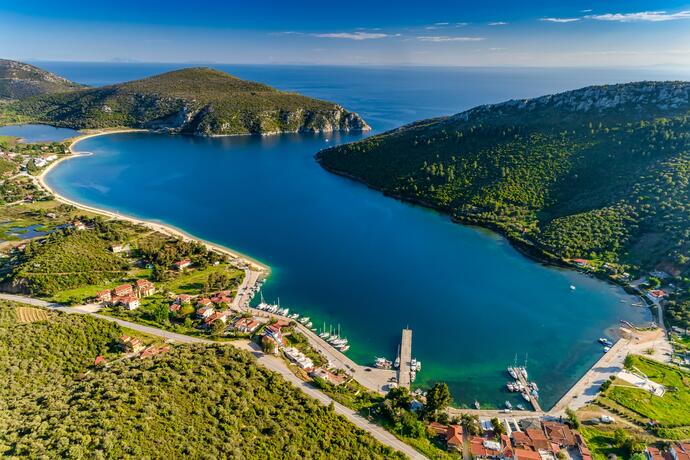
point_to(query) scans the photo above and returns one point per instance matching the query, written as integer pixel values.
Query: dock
(405, 368)
(534, 401)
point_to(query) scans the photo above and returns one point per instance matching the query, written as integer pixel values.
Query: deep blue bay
(344, 254)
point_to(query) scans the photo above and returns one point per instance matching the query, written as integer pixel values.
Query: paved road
(270, 362)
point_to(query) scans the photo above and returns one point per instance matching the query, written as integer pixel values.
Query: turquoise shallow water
(344, 254)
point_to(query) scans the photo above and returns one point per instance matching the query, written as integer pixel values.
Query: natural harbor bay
(477, 305)
(473, 301)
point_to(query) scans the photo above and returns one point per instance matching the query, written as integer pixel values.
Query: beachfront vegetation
(195, 100)
(669, 413)
(203, 401)
(600, 173)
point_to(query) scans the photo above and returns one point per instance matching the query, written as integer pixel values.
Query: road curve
(270, 362)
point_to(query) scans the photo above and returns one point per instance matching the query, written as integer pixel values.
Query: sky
(631, 33)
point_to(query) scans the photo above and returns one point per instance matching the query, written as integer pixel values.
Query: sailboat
(324, 335)
(523, 369)
(262, 305)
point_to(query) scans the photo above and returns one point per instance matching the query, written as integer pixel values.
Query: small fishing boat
(525, 396)
(572, 287)
(508, 405)
(383, 363)
(520, 407)
(477, 405)
(344, 348)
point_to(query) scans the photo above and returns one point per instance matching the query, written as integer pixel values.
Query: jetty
(532, 399)
(404, 378)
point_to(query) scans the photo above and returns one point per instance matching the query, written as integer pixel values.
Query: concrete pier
(405, 358)
(532, 399)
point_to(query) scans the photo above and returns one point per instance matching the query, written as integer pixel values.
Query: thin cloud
(586, 11)
(642, 16)
(355, 35)
(498, 23)
(446, 38)
(560, 20)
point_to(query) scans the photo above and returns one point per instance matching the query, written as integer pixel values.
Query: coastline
(163, 228)
(255, 265)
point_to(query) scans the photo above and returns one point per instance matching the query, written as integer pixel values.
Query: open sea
(344, 254)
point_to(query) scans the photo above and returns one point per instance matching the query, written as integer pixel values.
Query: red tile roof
(478, 449)
(538, 438)
(454, 435)
(521, 439)
(560, 433)
(524, 454)
(654, 454)
(438, 428)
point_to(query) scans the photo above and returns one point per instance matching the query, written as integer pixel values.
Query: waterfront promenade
(377, 380)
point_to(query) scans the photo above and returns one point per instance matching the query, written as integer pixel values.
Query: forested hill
(599, 172)
(199, 101)
(19, 80)
(193, 401)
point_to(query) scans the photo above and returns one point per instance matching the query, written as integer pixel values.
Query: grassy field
(601, 443)
(671, 410)
(27, 315)
(192, 282)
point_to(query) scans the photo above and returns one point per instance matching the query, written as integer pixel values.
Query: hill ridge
(197, 100)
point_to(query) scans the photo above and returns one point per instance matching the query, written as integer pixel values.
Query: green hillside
(600, 173)
(19, 80)
(198, 101)
(191, 402)
(64, 260)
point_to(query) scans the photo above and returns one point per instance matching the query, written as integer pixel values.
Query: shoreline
(521, 246)
(164, 228)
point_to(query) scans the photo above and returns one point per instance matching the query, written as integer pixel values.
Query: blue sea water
(344, 254)
(38, 133)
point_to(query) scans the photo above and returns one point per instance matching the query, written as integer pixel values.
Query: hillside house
(246, 325)
(131, 302)
(123, 290)
(454, 438)
(205, 311)
(145, 288)
(182, 264)
(118, 248)
(104, 296)
(328, 376)
(183, 299)
(130, 344)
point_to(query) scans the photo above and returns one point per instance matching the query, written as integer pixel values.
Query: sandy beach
(162, 228)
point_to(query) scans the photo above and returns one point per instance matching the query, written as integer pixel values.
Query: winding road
(270, 362)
